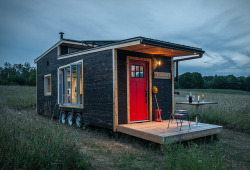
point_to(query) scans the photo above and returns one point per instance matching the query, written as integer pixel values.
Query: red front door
(138, 90)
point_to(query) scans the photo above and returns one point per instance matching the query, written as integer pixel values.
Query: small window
(137, 71)
(62, 50)
(47, 85)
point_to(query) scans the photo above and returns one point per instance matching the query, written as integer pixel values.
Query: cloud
(221, 28)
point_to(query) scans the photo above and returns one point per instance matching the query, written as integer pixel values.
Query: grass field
(31, 141)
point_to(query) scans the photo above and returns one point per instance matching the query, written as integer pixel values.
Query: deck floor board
(160, 133)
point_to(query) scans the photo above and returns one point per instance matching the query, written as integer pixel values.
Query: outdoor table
(196, 104)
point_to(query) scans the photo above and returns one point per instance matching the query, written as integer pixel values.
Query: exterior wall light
(159, 63)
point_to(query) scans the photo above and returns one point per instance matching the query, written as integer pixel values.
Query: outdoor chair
(179, 115)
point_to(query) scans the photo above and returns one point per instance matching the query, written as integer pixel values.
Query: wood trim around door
(149, 86)
(115, 91)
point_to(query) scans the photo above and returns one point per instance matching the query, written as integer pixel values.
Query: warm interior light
(159, 62)
(195, 53)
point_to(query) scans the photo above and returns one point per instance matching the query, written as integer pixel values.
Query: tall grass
(28, 141)
(18, 97)
(174, 156)
(232, 110)
(178, 156)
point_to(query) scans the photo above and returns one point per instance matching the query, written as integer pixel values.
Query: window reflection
(71, 84)
(137, 71)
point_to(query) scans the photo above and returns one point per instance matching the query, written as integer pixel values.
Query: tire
(78, 120)
(63, 116)
(70, 118)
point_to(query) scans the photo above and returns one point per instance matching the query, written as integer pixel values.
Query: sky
(220, 27)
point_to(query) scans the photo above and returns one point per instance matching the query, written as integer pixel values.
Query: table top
(196, 103)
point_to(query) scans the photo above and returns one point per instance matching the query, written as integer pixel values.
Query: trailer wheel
(70, 118)
(63, 116)
(79, 120)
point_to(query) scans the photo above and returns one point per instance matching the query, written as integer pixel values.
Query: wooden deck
(159, 133)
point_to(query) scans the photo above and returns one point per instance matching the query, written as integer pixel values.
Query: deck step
(159, 132)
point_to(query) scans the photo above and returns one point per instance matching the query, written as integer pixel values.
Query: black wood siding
(98, 87)
(164, 95)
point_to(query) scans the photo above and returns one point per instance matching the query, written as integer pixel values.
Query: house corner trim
(115, 90)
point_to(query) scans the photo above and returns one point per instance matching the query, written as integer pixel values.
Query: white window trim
(58, 94)
(45, 91)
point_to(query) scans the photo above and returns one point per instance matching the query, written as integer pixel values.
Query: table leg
(196, 118)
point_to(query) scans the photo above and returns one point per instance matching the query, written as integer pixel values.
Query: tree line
(196, 81)
(18, 74)
(24, 74)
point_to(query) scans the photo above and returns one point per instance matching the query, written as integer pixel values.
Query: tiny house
(108, 82)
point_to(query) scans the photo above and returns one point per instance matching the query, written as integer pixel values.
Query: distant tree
(191, 80)
(198, 80)
(248, 83)
(26, 71)
(186, 80)
(18, 68)
(17, 74)
(207, 81)
(242, 83)
(232, 82)
(1, 70)
(219, 82)
(32, 78)
(17, 80)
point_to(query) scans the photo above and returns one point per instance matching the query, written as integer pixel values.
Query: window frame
(139, 72)
(63, 101)
(46, 93)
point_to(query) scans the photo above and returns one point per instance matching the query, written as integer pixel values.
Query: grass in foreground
(30, 141)
(27, 143)
(178, 156)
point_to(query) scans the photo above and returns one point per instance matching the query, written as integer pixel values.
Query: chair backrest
(180, 112)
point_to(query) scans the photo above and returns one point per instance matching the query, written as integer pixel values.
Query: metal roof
(93, 42)
(143, 40)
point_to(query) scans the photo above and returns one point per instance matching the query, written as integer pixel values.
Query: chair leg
(170, 119)
(181, 120)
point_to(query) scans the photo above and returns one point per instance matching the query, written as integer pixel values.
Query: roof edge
(56, 45)
(142, 40)
(173, 46)
(46, 52)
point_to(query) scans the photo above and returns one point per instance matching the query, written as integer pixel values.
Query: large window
(70, 86)
(47, 85)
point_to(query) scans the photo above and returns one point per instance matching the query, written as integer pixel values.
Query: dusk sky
(220, 27)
